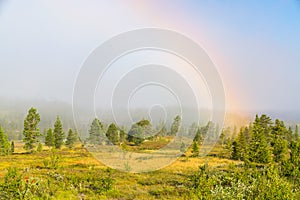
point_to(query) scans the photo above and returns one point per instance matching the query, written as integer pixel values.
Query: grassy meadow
(78, 164)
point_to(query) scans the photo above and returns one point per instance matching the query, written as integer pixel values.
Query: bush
(242, 183)
(15, 186)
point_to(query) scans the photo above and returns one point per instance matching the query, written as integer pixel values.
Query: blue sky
(255, 44)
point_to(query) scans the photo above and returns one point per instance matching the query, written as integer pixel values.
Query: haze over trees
(263, 157)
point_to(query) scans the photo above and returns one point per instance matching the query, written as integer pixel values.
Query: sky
(255, 45)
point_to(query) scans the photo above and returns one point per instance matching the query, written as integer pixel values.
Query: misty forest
(259, 160)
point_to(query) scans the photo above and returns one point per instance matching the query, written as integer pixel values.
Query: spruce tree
(295, 153)
(259, 149)
(240, 146)
(58, 133)
(195, 149)
(4, 144)
(278, 142)
(12, 147)
(175, 125)
(198, 137)
(235, 151)
(96, 132)
(71, 139)
(123, 136)
(49, 139)
(241, 143)
(296, 134)
(113, 134)
(31, 131)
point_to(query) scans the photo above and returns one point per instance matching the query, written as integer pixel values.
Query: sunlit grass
(164, 183)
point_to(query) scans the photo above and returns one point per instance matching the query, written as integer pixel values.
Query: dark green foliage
(22, 186)
(136, 135)
(241, 183)
(296, 134)
(17, 187)
(123, 136)
(113, 134)
(10, 187)
(259, 149)
(195, 149)
(96, 132)
(240, 146)
(58, 132)
(31, 131)
(4, 144)
(264, 142)
(235, 150)
(199, 136)
(40, 147)
(278, 142)
(139, 132)
(12, 147)
(143, 123)
(50, 139)
(94, 182)
(202, 182)
(71, 139)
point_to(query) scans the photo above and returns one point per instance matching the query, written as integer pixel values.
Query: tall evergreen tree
(96, 132)
(242, 144)
(71, 139)
(123, 136)
(113, 134)
(259, 149)
(4, 144)
(12, 147)
(58, 132)
(175, 125)
(195, 149)
(31, 131)
(289, 135)
(198, 137)
(50, 139)
(278, 142)
(296, 134)
(295, 153)
(235, 150)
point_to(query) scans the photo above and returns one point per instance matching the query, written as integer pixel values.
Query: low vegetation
(259, 161)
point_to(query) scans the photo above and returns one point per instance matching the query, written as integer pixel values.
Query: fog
(44, 44)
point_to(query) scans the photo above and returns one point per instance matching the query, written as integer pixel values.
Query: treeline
(265, 141)
(143, 130)
(270, 152)
(33, 138)
(99, 133)
(138, 133)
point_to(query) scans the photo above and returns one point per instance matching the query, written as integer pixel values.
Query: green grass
(79, 164)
